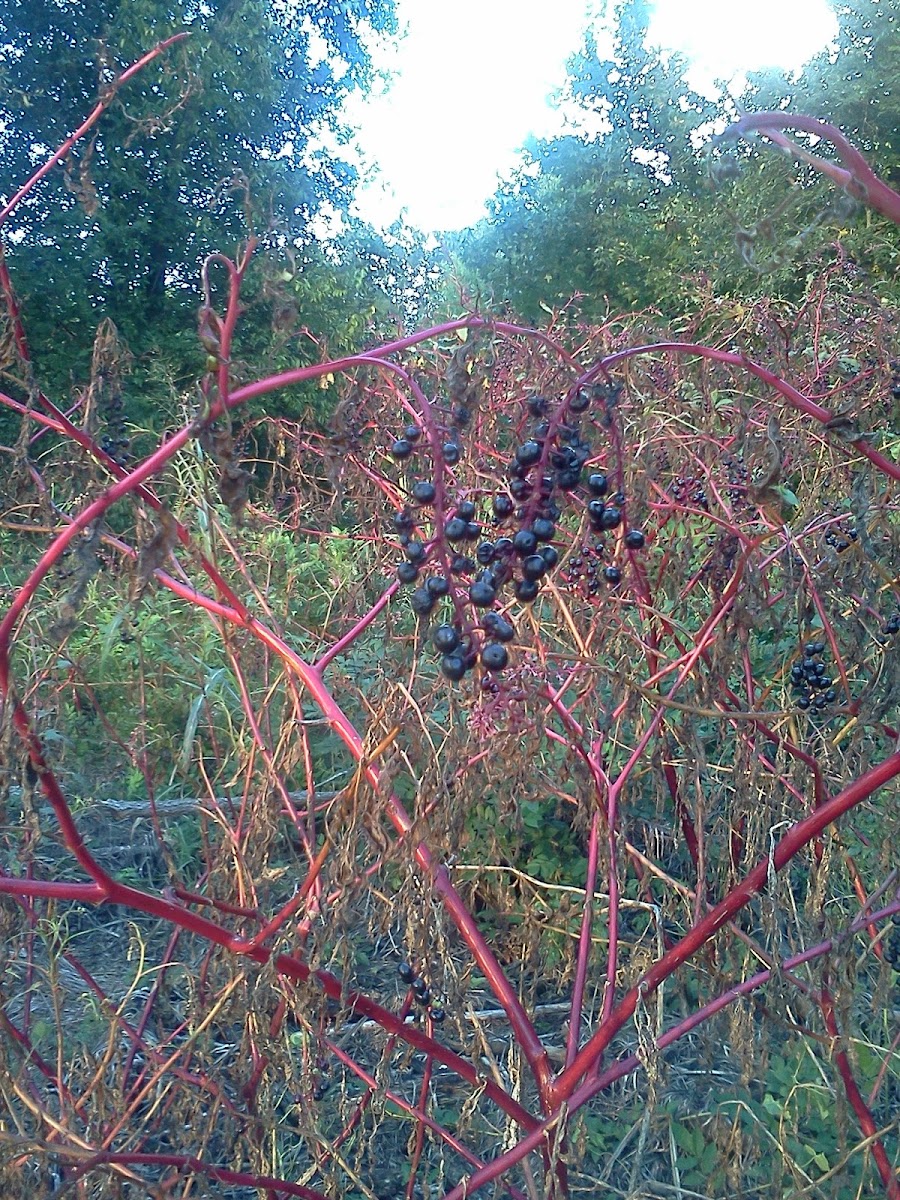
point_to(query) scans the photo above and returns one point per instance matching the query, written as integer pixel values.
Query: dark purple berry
(498, 627)
(534, 566)
(445, 638)
(634, 539)
(580, 402)
(466, 510)
(412, 433)
(537, 406)
(407, 572)
(528, 453)
(451, 453)
(403, 522)
(482, 593)
(485, 553)
(424, 492)
(437, 1015)
(612, 574)
(401, 449)
(422, 601)
(494, 656)
(461, 564)
(526, 590)
(473, 531)
(503, 546)
(520, 489)
(503, 506)
(453, 666)
(524, 542)
(406, 973)
(543, 529)
(437, 586)
(611, 517)
(415, 552)
(597, 484)
(455, 529)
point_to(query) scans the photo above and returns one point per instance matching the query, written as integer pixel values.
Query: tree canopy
(627, 217)
(234, 130)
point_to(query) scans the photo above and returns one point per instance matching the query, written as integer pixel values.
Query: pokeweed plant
(535, 793)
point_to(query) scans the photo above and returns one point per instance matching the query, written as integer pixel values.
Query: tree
(627, 218)
(581, 215)
(220, 137)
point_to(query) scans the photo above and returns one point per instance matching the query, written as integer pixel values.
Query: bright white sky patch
(474, 77)
(725, 40)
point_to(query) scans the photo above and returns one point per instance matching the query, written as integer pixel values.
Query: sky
(474, 77)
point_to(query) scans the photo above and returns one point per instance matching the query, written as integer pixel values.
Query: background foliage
(237, 699)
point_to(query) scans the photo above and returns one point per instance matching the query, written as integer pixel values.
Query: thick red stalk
(753, 884)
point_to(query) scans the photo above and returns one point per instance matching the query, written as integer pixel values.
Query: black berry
(494, 656)
(401, 449)
(528, 453)
(424, 492)
(482, 593)
(453, 666)
(407, 572)
(524, 542)
(437, 586)
(461, 564)
(534, 566)
(526, 590)
(634, 539)
(498, 627)
(445, 638)
(422, 601)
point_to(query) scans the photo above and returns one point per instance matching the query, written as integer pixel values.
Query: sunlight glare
(723, 41)
(474, 77)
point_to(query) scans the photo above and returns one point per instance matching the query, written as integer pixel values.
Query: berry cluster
(840, 538)
(809, 679)
(421, 992)
(690, 490)
(542, 472)
(585, 571)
